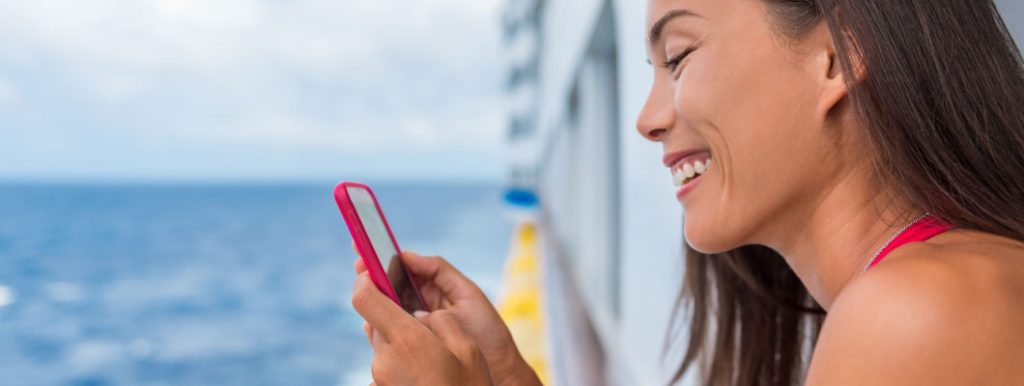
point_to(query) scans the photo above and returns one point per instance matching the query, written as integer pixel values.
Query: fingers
(436, 270)
(449, 330)
(369, 332)
(379, 311)
(374, 339)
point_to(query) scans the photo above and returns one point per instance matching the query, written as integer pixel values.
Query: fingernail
(420, 314)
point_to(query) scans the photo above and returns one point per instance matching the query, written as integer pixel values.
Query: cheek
(697, 92)
(733, 105)
(754, 110)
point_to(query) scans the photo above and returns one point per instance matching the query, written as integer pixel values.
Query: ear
(833, 78)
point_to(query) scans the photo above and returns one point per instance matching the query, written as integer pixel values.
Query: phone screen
(387, 252)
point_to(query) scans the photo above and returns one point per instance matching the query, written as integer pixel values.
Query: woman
(852, 173)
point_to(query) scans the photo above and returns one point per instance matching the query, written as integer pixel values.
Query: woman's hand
(444, 288)
(433, 350)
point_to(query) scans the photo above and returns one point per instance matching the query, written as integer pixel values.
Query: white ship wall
(629, 293)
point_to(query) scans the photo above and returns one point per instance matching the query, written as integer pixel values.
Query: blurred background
(166, 176)
(166, 170)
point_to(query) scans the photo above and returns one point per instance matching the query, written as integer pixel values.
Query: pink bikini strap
(922, 230)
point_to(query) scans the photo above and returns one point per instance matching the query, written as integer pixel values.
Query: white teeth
(699, 167)
(688, 170)
(677, 178)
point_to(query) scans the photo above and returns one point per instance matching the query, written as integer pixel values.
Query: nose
(658, 115)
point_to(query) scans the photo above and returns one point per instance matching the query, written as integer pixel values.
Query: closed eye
(672, 64)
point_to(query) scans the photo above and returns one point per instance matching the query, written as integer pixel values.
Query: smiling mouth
(689, 169)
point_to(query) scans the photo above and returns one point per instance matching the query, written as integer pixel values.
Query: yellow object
(520, 304)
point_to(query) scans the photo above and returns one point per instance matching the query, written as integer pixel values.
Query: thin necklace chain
(893, 238)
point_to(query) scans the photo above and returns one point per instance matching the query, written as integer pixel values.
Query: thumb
(437, 271)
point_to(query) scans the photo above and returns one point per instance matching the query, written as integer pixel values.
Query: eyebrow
(655, 34)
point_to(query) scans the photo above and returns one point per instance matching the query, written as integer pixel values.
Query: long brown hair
(942, 99)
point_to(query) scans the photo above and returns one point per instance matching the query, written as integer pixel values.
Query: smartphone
(377, 245)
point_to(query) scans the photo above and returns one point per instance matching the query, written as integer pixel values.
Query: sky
(237, 90)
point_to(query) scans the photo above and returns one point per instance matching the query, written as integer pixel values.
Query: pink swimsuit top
(921, 230)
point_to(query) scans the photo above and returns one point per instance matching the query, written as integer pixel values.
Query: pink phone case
(363, 245)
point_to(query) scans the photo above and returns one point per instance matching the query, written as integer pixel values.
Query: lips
(688, 166)
(673, 158)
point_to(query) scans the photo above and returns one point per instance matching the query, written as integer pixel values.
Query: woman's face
(740, 102)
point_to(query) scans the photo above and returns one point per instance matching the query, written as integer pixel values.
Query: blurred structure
(609, 229)
(520, 305)
(608, 237)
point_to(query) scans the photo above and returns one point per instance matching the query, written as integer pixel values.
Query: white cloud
(323, 75)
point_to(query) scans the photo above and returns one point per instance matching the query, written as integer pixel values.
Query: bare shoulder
(946, 311)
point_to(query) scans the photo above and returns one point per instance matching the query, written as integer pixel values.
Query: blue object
(521, 197)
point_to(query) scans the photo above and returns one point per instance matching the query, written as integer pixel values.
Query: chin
(707, 238)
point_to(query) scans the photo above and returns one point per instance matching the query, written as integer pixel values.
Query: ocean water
(209, 285)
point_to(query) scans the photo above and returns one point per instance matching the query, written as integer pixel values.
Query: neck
(830, 241)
